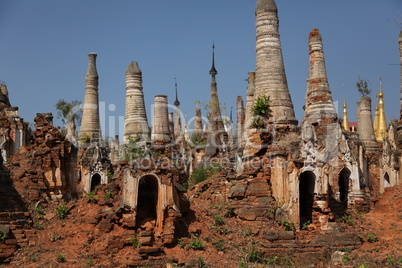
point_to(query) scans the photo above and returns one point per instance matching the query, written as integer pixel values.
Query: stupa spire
(319, 102)
(381, 130)
(345, 122)
(90, 123)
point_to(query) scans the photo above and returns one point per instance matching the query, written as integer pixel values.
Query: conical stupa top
(345, 122)
(213, 70)
(176, 102)
(381, 130)
(400, 37)
(266, 6)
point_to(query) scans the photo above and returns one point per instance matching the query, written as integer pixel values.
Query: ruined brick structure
(309, 174)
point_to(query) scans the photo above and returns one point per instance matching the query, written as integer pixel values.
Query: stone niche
(153, 202)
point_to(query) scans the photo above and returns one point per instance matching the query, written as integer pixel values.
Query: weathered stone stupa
(160, 120)
(135, 121)
(319, 105)
(215, 129)
(90, 124)
(365, 127)
(270, 77)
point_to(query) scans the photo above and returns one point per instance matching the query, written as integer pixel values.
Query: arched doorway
(95, 181)
(147, 201)
(387, 183)
(306, 197)
(343, 183)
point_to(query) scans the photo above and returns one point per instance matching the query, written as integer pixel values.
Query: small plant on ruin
(253, 253)
(109, 176)
(363, 265)
(305, 225)
(109, 195)
(90, 263)
(347, 258)
(197, 140)
(33, 258)
(219, 221)
(60, 258)
(230, 212)
(91, 197)
(131, 149)
(289, 226)
(347, 219)
(86, 139)
(54, 237)
(3, 236)
(61, 211)
(371, 238)
(219, 245)
(345, 249)
(260, 112)
(181, 243)
(201, 262)
(196, 243)
(362, 87)
(38, 225)
(134, 241)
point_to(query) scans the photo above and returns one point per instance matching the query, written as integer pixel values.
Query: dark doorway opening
(306, 197)
(343, 183)
(147, 200)
(95, 181)
(387, 183)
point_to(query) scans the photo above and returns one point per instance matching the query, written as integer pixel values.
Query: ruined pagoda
(217, 135)
(135, 120)
(270, 77)
(90, 124)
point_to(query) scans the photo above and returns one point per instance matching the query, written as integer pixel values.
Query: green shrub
(201, 262)
(109, 195)
(91, 197)
(134, 241)
(196, 244)
(260, 112)
(347, 219)
(60, 258)
(230, 212)
(371, 238)
(90, 263)
(3, 236)
(289, 226)
(345, 249)
(219, 221)
(219, 245)
(61, 211)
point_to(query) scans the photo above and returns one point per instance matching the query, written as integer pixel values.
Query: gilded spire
(381, 130)
(345, 122)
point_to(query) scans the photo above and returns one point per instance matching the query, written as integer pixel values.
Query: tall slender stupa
(270, 77)
(215, 128)
(135, 120)
(177, 117)
(90, 124)
(319, 104)
(381, 128)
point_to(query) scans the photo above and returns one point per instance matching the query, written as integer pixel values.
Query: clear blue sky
(44, 46)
